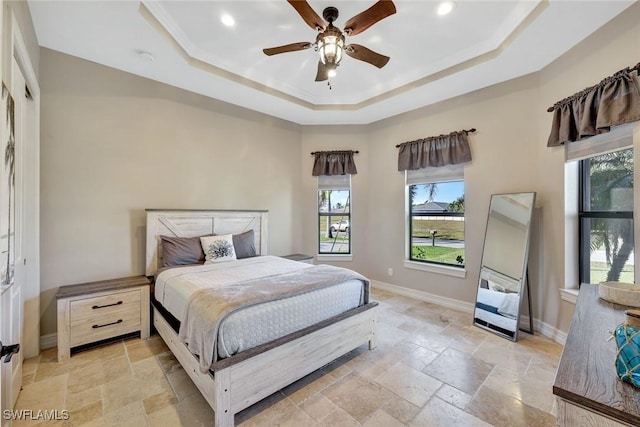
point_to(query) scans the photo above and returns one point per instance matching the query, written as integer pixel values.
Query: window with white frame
(334, 214)
(435, 200)
(605, 169)
(605, 212)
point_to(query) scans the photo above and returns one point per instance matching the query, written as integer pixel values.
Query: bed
(238, 376)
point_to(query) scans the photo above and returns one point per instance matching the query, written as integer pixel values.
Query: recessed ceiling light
(227, 20)
(445, 8)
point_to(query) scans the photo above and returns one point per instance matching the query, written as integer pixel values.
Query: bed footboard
(240, 381)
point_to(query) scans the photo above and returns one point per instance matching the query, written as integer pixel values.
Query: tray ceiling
(185, 44)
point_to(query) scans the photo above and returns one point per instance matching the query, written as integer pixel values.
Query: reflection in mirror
(504, 263)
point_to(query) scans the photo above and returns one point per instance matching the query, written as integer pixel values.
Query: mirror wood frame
(490, 317)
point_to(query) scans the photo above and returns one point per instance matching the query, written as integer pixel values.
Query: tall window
(606, 217)
(436, 219)
(334, 214)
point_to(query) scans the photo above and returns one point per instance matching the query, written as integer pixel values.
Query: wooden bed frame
(238, 382)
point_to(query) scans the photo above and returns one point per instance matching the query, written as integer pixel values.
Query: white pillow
(218, 248)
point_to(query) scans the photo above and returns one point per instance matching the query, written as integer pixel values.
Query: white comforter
(261, 323)
(174, 286)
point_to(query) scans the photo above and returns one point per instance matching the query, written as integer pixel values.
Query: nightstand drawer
(107, 326)
(99, 308)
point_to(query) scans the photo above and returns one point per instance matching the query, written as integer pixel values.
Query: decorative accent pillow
(181, 251)
(218, 248)
(244, 244)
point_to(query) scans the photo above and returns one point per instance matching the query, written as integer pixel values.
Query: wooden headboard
(188, 223)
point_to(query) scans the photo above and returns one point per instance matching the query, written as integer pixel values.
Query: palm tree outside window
(606, 218)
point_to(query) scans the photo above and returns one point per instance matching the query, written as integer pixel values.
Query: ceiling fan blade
(323, 72)
(364, 20)
(308, 14)
(367, 55)
(287, 48)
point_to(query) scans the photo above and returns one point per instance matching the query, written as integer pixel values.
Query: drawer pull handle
(107, 324)
(106, 305)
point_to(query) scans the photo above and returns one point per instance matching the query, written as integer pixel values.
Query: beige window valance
(613, 101)
(334, 163)
(435, 151)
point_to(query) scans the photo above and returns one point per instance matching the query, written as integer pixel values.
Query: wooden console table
(586, 385)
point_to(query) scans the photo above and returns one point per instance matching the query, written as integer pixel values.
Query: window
(334, 214)
(436, 216)
(605, 213)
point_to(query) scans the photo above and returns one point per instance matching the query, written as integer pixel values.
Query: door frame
(29, 255)
(26, 289)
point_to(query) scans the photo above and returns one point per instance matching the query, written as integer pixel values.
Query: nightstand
(300, 257)
(96, 311)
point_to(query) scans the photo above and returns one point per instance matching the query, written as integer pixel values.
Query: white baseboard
(544, 329)
(424, 296)
(549, 331)
(539, 326)
(48, 341)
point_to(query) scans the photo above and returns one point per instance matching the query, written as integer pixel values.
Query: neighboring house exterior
(430, 207)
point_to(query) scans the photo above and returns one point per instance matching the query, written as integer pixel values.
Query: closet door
(11, 259)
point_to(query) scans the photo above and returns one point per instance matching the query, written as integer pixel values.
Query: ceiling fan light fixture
(330, 41)
(330, 46)
(331, 49)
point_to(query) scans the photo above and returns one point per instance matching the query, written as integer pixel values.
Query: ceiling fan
(330, 40)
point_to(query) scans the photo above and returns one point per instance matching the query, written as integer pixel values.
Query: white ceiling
(432, 57)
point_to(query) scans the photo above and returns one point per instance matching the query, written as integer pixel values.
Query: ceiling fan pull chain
(329, 84)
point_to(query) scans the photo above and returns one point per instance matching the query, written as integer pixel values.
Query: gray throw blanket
(207, 308)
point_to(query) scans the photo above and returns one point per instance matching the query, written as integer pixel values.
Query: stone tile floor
(431, 368)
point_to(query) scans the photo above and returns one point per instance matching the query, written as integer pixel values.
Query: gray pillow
(181, 251)
(244, 245)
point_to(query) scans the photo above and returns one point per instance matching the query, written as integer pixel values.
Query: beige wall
(504, 160)
(509, 155)
(612, 48)
(504, 150)
(114, 144)
(318, 138)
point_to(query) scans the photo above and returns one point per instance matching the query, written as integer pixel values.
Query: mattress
(258, 324)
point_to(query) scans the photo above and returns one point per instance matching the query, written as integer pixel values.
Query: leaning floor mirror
(503, 270)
